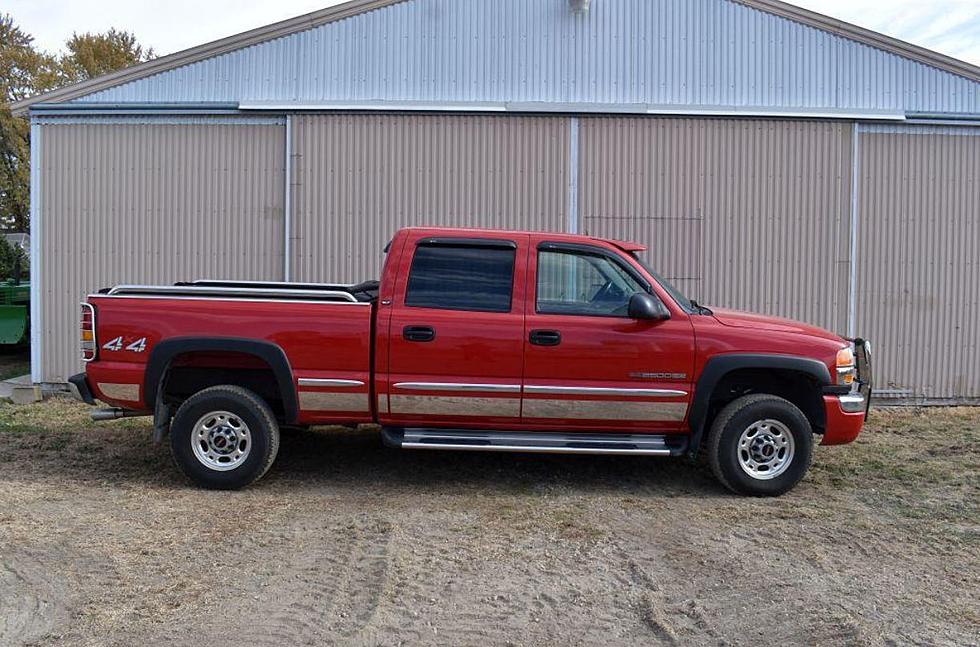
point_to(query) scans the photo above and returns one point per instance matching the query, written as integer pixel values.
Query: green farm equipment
(15, 299)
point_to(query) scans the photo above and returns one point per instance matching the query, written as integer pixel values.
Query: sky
(951, 27)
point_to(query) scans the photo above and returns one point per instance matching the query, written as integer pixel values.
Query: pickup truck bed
(327, 342)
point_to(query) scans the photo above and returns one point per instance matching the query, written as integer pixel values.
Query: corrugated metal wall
(918, 274)
(129, 202)
(750, 214)
(746, 214)
(358, 178)
(709, 53)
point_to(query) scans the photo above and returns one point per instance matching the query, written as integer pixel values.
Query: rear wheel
(224, 437)
(760, 445)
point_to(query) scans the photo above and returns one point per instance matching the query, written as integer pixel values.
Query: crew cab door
(587, 364)
(456, 332)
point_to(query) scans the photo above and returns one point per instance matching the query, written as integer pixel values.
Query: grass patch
(919, 467)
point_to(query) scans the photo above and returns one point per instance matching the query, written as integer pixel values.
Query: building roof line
(356, 7)
(202, 52)
(865, 36)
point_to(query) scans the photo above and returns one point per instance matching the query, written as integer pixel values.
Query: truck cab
(479, 340)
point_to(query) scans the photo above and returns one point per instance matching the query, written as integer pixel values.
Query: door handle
(545, 337)
(418, 333)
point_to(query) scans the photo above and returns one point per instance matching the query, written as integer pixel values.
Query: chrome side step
(535, 442)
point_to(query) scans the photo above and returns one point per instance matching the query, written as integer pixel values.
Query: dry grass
(102, 541)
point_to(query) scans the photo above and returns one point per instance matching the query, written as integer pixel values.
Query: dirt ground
(102, 541)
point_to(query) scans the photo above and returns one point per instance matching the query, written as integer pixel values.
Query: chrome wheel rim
(765, 449)
(221, 441)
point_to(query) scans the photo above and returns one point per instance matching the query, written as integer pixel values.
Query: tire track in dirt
(328, 587)
(31, 604)
(294, 607)
(672, 623)
(367, 577)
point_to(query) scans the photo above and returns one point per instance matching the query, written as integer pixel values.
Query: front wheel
(760, 445)
(224, 437)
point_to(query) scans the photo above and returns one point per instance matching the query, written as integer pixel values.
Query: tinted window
(583, 284)
(461, 278)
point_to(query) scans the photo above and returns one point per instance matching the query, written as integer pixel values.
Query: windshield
(675, 294)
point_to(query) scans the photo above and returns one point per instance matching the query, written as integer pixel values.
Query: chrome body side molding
(456, 386)
(438, 405)
(334, 383)
(588, 390)
(324, 401)
(605, 410)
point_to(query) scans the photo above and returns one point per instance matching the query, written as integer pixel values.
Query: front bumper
(845, 413)
(842, 427)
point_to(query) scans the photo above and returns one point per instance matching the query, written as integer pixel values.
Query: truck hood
(737, 319)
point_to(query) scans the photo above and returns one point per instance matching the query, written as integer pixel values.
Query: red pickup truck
(475, 340)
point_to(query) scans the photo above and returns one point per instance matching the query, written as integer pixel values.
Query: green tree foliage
(25, 71)
(92, 55)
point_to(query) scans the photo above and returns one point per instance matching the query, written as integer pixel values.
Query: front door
(587, 364)
(457, 333)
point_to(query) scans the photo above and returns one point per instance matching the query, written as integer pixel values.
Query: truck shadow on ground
(359, 459)
(345, 460)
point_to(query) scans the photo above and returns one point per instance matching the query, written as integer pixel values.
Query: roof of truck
(626, 246)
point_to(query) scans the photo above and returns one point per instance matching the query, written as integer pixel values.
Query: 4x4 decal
(137, 346)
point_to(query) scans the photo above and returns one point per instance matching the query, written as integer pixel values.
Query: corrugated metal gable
(699, 53)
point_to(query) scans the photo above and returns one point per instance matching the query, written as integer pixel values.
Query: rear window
(450, 277)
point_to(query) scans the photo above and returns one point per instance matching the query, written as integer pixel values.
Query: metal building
(774, 159)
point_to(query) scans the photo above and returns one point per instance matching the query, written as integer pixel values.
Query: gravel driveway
(103, 542)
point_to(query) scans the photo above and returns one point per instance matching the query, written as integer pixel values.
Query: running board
(536, 442)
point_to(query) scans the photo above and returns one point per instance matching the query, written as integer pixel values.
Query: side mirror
(648, 307)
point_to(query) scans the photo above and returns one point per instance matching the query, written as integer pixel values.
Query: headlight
(846, 367)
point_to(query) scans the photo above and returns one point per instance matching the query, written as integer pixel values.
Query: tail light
(86, 332)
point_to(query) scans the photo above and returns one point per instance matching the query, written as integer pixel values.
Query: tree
(24, 72)
(92, 55)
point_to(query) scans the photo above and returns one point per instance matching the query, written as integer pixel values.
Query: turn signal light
(846, 368)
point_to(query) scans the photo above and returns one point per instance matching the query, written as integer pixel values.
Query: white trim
(852, 261)
(396, 106)
(287, 202)
(35, 253)
(573, 166)
(782, 114)
(161, 119)
(573, 108)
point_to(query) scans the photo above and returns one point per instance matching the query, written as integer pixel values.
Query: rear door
(587, 364)
(456, 332)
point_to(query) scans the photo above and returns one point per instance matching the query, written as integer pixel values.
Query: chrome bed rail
(215, 291)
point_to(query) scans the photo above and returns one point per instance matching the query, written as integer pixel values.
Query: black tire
(722, 444)
(250, 409)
